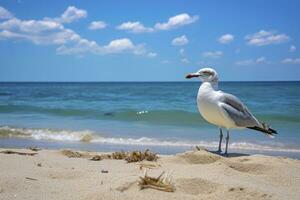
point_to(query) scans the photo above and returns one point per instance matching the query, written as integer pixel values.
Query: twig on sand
(162, 182)
(33, 179)
(19, 153)
(199, 148)
(75, 154)
(148, 165)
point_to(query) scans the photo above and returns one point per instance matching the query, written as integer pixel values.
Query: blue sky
(148, 40)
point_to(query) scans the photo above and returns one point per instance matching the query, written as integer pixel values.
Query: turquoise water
(160, 115)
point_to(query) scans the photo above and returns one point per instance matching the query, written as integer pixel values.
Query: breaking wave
(93, 137)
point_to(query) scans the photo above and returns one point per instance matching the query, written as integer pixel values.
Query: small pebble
(104, 171)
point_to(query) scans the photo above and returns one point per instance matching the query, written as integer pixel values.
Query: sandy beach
(55, 174)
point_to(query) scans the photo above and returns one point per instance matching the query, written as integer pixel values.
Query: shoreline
(49, 174)
(163, 149)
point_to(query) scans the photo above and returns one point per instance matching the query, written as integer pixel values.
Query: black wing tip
(273, 131)
(268, 131)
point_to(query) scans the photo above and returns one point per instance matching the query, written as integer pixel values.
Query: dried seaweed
(133, 156)
(136, 156)
(162, 182)
(19, 153)
(119, 155)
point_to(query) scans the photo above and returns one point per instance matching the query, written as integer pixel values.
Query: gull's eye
(206, 73)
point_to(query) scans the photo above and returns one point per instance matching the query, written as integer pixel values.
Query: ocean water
(162, 116)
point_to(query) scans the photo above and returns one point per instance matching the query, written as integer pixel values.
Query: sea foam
(93, 137)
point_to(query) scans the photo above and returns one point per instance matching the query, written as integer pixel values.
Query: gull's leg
(227, 140)
(220, 142)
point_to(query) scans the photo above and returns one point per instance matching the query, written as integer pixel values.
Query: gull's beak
(192, 75)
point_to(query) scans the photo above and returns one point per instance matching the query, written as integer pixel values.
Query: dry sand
(50, 174)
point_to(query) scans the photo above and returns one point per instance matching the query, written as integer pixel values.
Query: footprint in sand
(198, 157)
(244, 193)
(67, 175)
(196, 186)
(252, 168)
(126, 186)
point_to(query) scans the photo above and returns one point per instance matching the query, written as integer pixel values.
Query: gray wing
(237, 111)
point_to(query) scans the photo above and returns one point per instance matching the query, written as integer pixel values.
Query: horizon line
(139, 81)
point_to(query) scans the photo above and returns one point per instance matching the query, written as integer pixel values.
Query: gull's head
(205, 74)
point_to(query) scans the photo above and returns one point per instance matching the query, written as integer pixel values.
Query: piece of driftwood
(96, 158)
(162, 182)
(71, 154)
(34, 148)
(19, 153)
(75, 154)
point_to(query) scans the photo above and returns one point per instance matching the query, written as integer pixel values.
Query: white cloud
(123, 45)
(260, 60)
(185, 60)
(180, 41)
(245, 62)
(119, 45)
(176, 21)
(263, 37)
(52, 32)
(212, 54)
(291, 61)
(152, 54)
(181, 52)
(36, 31)
(79, 47)
(225, 39)
(72, 14)
(292, 48)
(5, 14)
(134, 27)
(173, 22)
(95, 25)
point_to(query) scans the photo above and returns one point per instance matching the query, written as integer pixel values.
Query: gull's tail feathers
(266, 129)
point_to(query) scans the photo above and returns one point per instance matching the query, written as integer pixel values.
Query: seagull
(222, 109)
